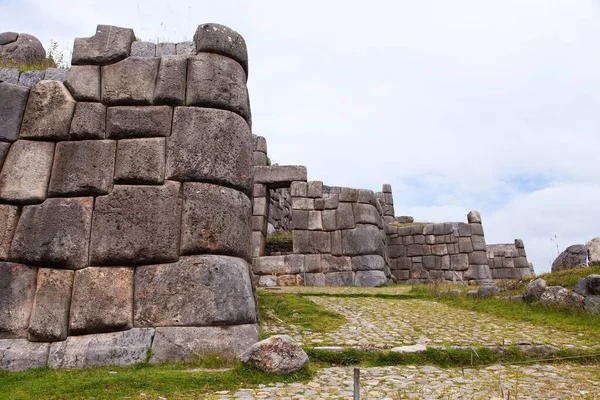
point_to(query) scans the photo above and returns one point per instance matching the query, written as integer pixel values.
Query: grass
(397, 225)
(567, 278)
(279, 237)
(39, 65)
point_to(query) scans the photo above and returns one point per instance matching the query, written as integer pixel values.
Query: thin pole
(356, 383)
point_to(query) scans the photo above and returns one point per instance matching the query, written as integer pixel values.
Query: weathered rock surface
(187, 343)
(54, 234)
(593, 282)
(345, 278)
(102, 300)
(210, 145)
(83, 168)
(278, 354)
(108, 45)
(165, 49)
(555, 296)
(130, 81)
(140, 161)
(574, 256)
(21, 354)
(370, 279)
(591, 304)
(170, 84)
(83, 81)
(17, 291)
(220, 286)
(116, 348)
(143, 49)
(136, 225)
(368, 263)
(473, 217)
(280, 175)
(24, 50)
(267, 281)
(9, 75)
(9, 216)
(593, 250)
(215, 38)
(56, 74)
(534, 290)
(31, 78)
(13, 99)
(217, 82)
(49, 321)
(138, 122)
(26, 172)
(8, 37)
(185, 49)
(215, 220)
(89, 121)
(49, 111)
(364, 239)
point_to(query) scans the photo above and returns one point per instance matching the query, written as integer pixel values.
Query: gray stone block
(83, 81)
(170, 84)
(332, 202)
(364, 239)
(17, 292)
(277, 176)
(83, 168)
(217, 82)
(191, 343)
(185, 49)
(299, 219)
(269, 265)
(303, 203)
(401, 275)
(136, 225)
(370, 279)
(419, 239)
(329, 220)
(267, 281)
(459, 262)
(215, 220)
(130, 82)
(297, 188)
(366, 214)
(258, 241)
(317, 279)
(473, 217)
(109, 44)
(9, 216)
(366, 196)
(331, 263)
(49, 321)
(477, 229)
(339, 278)
(20, 355)
(210, 145)
(56, 74)
(138, 122)
(386, 188)
(9, 75)
(30, 78)
(464, 229)
(369, 262)
(478, 243)
(396, 251)
(24, 50)
(49, 111)
(345, 216)
(165, 49)
(294, 263)
(8, 37)
(116, 348)
(140, 161)
(26, 172)
(220, 286)
(315, 220)
(143, 49)
(348, 195)
(315, 189)
(260, 206)
(415, 249)
(336, 243)
(479, 258)
(259, 223)
(312, 263)
(219, 39)
(465, 245)
(260, 159)
(311, 242)
(260, 144)
(519, 244)
(89, 121)
(102, 300)
(439, 249)
(13, 100)
(54, 234)
(259, 190)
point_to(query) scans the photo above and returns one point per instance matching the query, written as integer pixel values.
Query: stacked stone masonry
(125, 201)
(509, 261)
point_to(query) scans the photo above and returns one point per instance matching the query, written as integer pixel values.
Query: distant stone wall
(125, 193)
(280, 211)
(509, 261)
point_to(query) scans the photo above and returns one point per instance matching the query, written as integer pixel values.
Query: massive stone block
(17, 291)
(140, 161)
(280, 176)
(83, 81)
(136, 225)
(210, 145)
(89, 121)
(130, 81)
(220, 286)
(49, 110)
(116, 348)
(9, 216)
(30, 78)
(13, 100)
(138, 122)
(109, 44)
(83, 168)
(24, 50)
(345, 216)
(54, 233)
(364, 239)
(370, 278)
(20, 354)
(217, 82)
(102, 300)
(369, 262)
(56, 74)
(311, 242)
(215, 220)
(366, 214)
(215, 38)
(9, 75)
(165, 49)
(26, 172)
(49, 321)
(189, 343)
(331, 263)
(170, 84)
(143, 49)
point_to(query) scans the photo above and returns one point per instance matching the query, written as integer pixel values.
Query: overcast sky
(460, 105)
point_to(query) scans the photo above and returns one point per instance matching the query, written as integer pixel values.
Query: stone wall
(125, 192)
(280, 211)
(509, 261)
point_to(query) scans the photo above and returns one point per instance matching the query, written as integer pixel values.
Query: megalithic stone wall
(125, 205)
(509, 261)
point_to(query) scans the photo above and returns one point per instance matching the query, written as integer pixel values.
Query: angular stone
(260, 206)
(219, 39)
(331, 263)
(259, 191)
(83, 168)
(56, 74)
(593, 250)
(332, 202)
(277, 176)
(459, 262)
(534, 290)
(299, 219)
(267, 281)
(165, 49)
(370, 279)
(26, 172)
(591, 304)
(258, 241)
(190, 343)
(9, 75)
(185, 48)
(303, 203)
(336, 243)
(473, 217)
(297, 188)
(329, 220)
(593, 282)
(140, 161)
(479, 258)
(210, 145)
(349, 195)
(366, 214)
(317, 279)
(413, 250)
(315, 221)
(116, 348)
(138, 122)
(478, 243)
(269, 265)
(465, 245)
(315, 189)
(215, 220)
(54, 233)
(278, 354)
(217, 82)
(312, 263)
(83, 81)
(260, 159)
(369, 262)
(30, 78)
(13, 100)
(49, 321)
(109, 44)
(20, 355)
(143, 49)
(130, 82)
(339, 278)
(294, 263)
(136, 225)
(364, 239)
(170, 84)
(345, 216)
(311, 242)
(9, 216)
(89, 121)
(49, 111)
(102, 300)
(574, 256)
(17, 291)
(464, 229)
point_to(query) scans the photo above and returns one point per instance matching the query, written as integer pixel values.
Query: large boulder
(558, 296)
(574, 256)
(591, 304)
(109, 44)
(593, 251)
(534, 290)
(593, 283)
(24, 49)
(278, 354)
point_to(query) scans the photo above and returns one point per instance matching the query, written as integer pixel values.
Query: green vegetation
(567, 278)
(280, 237)
(410, 224)
(55, 59)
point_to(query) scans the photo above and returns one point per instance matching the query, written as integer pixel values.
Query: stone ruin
(136, 208)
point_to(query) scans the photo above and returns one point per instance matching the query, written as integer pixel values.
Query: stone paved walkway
(563, 381)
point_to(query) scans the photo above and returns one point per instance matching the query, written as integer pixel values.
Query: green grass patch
(568, 277)
(279, 237)
(39, 65)
(293, 309)
(398, 225)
